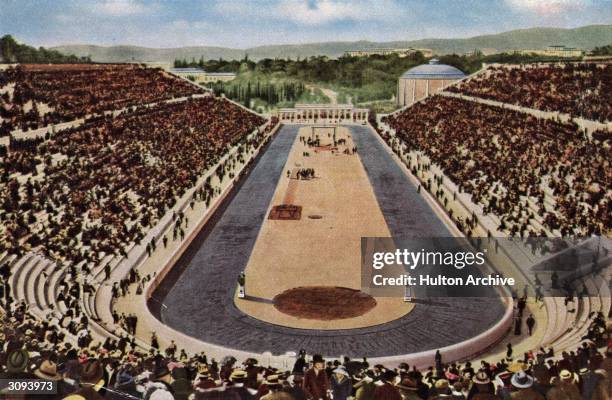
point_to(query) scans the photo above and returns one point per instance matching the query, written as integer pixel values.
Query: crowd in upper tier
(117, 370)
(579, 89)
(33, 96)
(516, 166)
(91, 190)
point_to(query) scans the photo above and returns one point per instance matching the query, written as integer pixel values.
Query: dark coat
(387, 392)
(241, 391)
(341, 390)
(300, 365)
(315, 386)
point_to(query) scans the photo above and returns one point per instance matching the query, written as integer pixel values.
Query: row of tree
(344, 71)
(13, 52)
(219, 65)
(602, 51)
(269, 92)
(376, 74)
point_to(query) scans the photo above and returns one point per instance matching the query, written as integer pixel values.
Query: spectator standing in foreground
(341, 384)
(316, 384)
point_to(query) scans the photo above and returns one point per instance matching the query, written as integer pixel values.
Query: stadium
(157, 239)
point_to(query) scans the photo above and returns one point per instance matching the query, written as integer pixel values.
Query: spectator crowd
(517, 166)
(90, 191)
(117, 369)
(33, 96)
(579, 89)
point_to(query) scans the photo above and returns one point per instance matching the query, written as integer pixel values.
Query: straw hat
(48, 371)
(273, 381)
(238, 375)
(441, 384)
(567, 376)
(517, 367)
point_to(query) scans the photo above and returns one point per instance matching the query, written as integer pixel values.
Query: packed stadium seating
(105, 163)
(582, 90)
(518, 167)
(32, 96)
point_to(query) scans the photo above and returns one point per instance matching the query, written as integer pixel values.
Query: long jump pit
(305, 268)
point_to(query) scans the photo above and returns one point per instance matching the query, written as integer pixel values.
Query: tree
(602, 51)
(12, 51)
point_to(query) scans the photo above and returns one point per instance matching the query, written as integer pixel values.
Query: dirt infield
(325, 303)
(338, 208)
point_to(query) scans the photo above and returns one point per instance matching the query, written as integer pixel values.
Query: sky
(243, 24)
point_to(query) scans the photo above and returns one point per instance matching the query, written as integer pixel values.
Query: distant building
(324, 114)
(386, 51)
(424, 80)
(555, 51)
(219, 76)
(198, 75)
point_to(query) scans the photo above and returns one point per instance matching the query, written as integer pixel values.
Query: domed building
(423, 80)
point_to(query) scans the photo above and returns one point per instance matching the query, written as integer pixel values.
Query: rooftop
(188, 70)
(433, 70)
(221, 73)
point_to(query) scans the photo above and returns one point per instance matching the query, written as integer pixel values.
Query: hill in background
(585, 38)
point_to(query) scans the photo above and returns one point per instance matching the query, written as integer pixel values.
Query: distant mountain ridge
(586, 38)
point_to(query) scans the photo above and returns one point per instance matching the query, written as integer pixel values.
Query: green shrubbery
(356, 79)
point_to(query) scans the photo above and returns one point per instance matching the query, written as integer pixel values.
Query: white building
(424, 80)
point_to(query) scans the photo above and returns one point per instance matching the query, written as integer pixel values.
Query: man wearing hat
(91, 381)
(181, 385)
(159, 388)
(241, 285)
(252, 370)
(47, 370)
(365, 387)
(443, 391)
(237, 379)
(300, 363)
(17, 365)
(275, 386)
(523, 384)
(387, 390)
(482, 387)
(564, 387)
(125, 383)
(316, 384)
(203, 381)
(408, 388)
